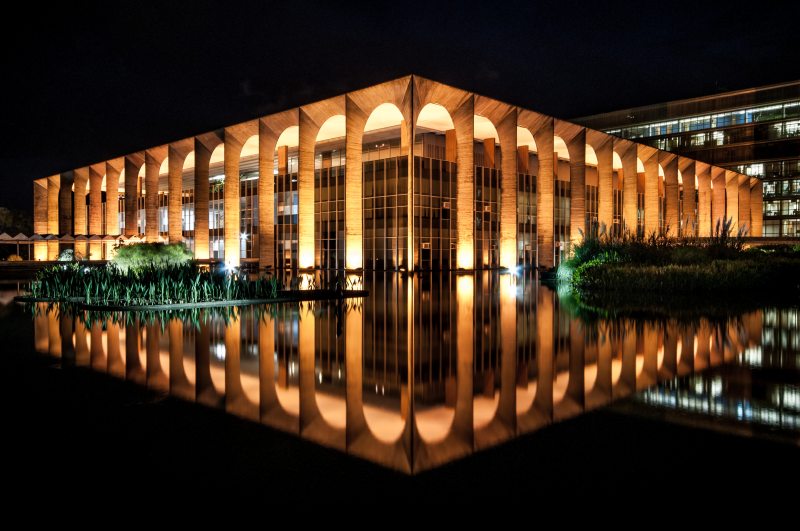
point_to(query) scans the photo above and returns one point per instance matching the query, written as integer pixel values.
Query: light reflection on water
(432, 368)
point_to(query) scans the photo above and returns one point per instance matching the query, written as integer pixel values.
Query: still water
(432, 368)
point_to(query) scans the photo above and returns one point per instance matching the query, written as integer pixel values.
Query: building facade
(410, 174)
(755, 132)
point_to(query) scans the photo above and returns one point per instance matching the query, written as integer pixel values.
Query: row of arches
(346, 381)
(410, 174)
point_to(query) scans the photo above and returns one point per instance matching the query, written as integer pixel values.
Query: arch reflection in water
(427, 369)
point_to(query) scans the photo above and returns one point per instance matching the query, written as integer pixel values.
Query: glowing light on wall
(354, 257)
(466, 254)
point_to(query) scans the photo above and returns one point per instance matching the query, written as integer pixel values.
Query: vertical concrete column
(113, 171)
(649, 158)
(96, 198)
(79, 210)
(176, 156)
(464, 122)
(545, 192)
(305, 190)
(355, 119)
(235, 138)
(96, 172)
(507, 131)
(152, 166)
(744, 204)
(689, 220)
(756, 207)
(603, 146)
(732, 199)
(65, 207)
(671, 192)
(463, 421)
(203, 147)
(627, 152)
(40, 197)
(53, 193)
(233, 209)
(133, 164)
(79, 200)
(717, 198)
(266, 196)
(703, 199)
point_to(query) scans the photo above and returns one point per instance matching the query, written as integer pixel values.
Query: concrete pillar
(305, 190)
(79, 210)
(233, 210)
(744, 204)
(65, 207)
(40, 197)
(53, 192)
(756, 207)
(669, 162)
(464, 122)
(152, 166)
(717, 199)
(649, 158)
(203, 147)
(507, 131)
(79, 200)
(627, 153)
(356, 118)
(603, 146)
(96, 173)
(175, 159)
(113, 171)
(732, 199)
(545, 190)
(133, 164)
(703, 199)
(688, 221)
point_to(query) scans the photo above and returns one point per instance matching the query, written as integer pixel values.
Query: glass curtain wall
(329, 178)
(385, 199)
(434, 200)
(487, 211)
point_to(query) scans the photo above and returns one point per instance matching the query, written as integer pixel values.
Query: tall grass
(147, 285)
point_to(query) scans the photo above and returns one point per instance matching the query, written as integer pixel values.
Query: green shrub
(142, 255)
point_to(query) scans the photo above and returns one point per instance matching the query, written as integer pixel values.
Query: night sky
(84, 84)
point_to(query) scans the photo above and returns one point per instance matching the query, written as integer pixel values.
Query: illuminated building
(407, 174)
(754, 131)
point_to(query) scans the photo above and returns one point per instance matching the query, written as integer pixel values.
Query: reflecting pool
(432, 368)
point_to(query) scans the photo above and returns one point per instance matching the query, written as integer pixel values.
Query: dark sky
(84, 84)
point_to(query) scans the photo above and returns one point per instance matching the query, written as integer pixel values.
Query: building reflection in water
(425, 370)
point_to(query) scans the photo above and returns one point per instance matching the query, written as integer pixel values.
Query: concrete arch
(204, 146)
(600, 154)
(274, 131)
(541, 128)
(153, 162)
(487, 137)
(460, 106)
(329, 154)
(373, 105)
(574, 136)
(385, 122)
(178, 162)
(312, 118)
